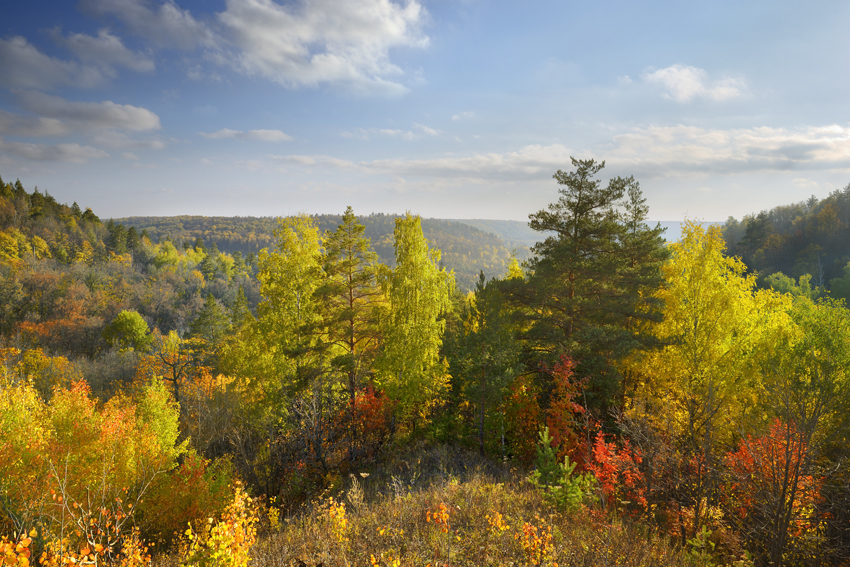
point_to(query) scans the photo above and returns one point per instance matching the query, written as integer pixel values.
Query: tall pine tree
(589, 279)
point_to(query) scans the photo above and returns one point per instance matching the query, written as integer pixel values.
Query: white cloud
(674, 151)
(24, 66)
(463, 115)
(407, 135)
(527, 162)
(257, 135)
(803, 182)
(684, 83)
(403, 134)
(308, 43)
(425, 129)
(661, 151)
(88, 115)
(59, 152)
(167, 26)
(12, 124)
(313, 42)
(358, 135)
(106, 50)
(314, 160)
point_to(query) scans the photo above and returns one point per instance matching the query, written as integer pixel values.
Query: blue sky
(450, 109)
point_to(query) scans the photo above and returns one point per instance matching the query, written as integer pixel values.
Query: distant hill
(467, 245)
(513, 233)
(809, 237)
(518, 233)
(466, 249)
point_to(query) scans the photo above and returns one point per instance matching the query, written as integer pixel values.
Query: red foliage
(763, 469)
(564, 412)
(617, 470)
(370, 425)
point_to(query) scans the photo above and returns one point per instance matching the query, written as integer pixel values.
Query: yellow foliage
(229, 541)
(716, 326)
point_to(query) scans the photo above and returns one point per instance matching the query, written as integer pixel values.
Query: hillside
(465, 248)
(810, 237)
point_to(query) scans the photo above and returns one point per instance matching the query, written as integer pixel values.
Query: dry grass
(480, 514)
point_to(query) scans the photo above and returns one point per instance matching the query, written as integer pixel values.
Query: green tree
(351, 299)
(240, 312)
(806, 382)
(418, 292)
(484, 355)
(128, 330)
(284, 348)
(212, 323)
(590, 280)
(702, 384)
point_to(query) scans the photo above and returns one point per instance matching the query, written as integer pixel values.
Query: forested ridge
(809, 238)
(466, 248)
(335, 396)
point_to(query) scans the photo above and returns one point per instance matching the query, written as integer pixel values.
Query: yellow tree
(419, 292)
(274, 352)
(703, 380)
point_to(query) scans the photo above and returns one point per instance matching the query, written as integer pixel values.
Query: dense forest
(335, 396)
(466, 249)
(808, 239)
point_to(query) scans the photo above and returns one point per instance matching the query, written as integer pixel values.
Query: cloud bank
(651, 152)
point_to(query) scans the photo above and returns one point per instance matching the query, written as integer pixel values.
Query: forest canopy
(699, 388)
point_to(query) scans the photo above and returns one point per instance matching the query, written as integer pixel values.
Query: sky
(445, 108)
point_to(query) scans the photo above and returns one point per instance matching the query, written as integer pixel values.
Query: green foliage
(592, 278)
(351, 299)
(484, 358)
(418, 292)
(128, 330)
(807, 237)
(158, 413)
(212, 323)
(564, 489)
(467, 249)
(839, 287)
(783, 284)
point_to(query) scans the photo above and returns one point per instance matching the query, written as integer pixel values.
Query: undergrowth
(449, 508)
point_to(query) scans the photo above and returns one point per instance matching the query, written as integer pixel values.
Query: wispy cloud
(27, 126)
(89, 115)
(407, 135)
(105, 50)
(425, 129)
(684, 83)
(463, 115)
(257, 135)
(645, 152)
(166, 26)
(675, 150)
(57, 152)
(24, 66)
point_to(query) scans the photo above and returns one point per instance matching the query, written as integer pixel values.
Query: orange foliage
(193, 492)
(763, 471)
(562, 418)
(616, 470)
